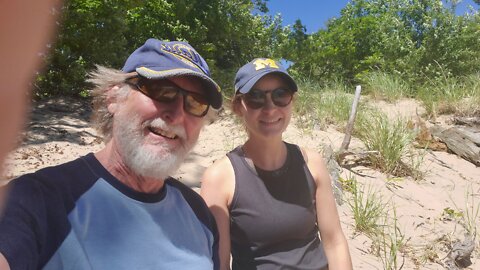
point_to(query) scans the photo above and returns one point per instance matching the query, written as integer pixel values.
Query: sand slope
(58, 131)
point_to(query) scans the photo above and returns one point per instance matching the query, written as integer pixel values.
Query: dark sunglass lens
(255, 99)
(165, 91)
(255, 94)
(160, 90)
(282, 97)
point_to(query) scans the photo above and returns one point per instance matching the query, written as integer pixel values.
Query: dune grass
(319, 105)
(470, 213)
(459, 96)
(390, 241)
(388, 141)
(385, 86)
(322, 104)
(376, 219)
(366, 205)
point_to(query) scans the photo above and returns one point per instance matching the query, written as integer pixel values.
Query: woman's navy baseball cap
(253, 71)
(160, 59)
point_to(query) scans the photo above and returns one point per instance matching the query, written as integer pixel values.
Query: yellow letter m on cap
(264, 62)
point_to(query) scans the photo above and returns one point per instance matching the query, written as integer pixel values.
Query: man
(117, 208)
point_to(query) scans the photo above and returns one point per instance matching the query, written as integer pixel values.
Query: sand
(59, 131)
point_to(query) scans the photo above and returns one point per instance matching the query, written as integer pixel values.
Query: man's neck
(114, 164)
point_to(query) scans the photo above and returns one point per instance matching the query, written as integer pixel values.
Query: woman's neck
(268, 155)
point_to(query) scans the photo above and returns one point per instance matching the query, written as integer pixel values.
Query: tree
(91, 31)
(226, 33)
(412, 38)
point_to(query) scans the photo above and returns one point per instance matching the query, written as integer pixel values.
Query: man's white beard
(157, 161)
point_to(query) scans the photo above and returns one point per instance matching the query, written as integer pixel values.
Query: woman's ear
(236, 104)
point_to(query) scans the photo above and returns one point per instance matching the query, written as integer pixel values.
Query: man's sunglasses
(165, 91)
(256, 99)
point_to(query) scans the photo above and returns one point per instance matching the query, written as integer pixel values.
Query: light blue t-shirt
(78, 216)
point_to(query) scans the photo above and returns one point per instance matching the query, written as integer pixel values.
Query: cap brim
(246, 87)
(213, 89)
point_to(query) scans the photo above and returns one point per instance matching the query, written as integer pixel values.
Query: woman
(271, 198)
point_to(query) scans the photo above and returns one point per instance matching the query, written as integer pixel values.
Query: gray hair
(104, 79)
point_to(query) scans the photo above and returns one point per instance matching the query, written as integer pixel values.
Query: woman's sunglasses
(165, 91)
(256, 99)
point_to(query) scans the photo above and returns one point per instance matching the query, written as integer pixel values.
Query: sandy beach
(58, 131)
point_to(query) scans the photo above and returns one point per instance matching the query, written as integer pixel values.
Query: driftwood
(351, 121)
(334, 171)
(463, 141)
(333, 158)
(424, 138)
(467, 121)
(459, 255)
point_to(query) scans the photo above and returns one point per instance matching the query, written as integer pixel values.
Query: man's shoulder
(187, 192)
(195, 201)
(69, 175)
(75, 165)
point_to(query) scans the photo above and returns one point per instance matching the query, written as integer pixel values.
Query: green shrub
(381, 85)
(388, 142)
(322, 105)
(449, 95)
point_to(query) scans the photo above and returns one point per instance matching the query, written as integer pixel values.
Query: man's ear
(112, 99)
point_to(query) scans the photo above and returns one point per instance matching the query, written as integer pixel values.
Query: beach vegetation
(367, 207)
(388, 142)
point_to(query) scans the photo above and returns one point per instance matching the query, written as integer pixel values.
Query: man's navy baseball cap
(253, 71)
(160, 59)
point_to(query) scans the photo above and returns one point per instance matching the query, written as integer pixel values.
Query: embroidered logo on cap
(185, 54)
(263, 63)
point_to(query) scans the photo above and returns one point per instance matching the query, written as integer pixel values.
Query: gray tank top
(272, 216)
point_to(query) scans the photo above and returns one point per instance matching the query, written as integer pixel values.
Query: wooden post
(351, 120)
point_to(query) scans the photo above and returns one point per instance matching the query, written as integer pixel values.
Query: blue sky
(315, 13)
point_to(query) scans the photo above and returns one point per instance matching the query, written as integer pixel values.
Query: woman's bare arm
(217, 191)
(333, 239)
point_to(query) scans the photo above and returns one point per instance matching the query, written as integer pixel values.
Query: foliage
(458, 95)
(381, 85)
(411, 38)
(389, 241)
(414, 43)
(367, 207)
(91, 32)
(226, 33)
(388, 142)
(319, 105)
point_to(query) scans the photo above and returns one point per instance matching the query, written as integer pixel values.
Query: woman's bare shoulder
(316, 163)
(219, 173)
(218, 183)
(311, 156)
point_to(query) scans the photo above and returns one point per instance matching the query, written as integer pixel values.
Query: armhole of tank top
(234, 196)
(310, 179)
(304, 154)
